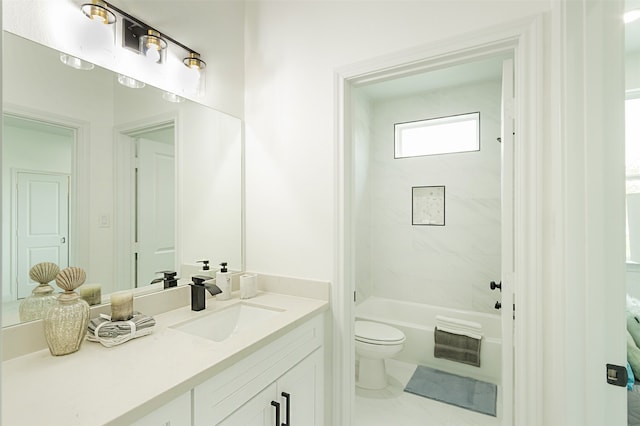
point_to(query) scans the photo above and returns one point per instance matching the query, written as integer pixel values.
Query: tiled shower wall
(449, 265)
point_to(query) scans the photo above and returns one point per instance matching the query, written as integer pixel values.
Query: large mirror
(117, 180)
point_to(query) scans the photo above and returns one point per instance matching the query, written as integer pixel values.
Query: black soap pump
(223, 281)
(206, 270)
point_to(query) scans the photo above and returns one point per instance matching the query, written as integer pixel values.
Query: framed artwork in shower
(428, 205)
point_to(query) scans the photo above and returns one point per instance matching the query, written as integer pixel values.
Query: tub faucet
(198, 286)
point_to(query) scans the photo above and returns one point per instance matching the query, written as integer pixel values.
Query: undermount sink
(223, 324)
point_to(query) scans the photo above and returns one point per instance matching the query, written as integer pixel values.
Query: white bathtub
(417, 322)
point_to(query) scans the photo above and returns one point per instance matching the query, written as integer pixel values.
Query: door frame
(525, 39)
(124, 196)
(79, 182)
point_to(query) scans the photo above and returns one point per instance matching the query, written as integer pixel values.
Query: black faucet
(198, 299)
(170, 279)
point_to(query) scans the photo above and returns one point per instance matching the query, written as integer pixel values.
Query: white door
(42, 219)
(155, 211)
(507, 214)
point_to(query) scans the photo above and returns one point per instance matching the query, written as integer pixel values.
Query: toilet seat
(376, 333)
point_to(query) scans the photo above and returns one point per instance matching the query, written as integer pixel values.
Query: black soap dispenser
(223, 281)
(206, 269)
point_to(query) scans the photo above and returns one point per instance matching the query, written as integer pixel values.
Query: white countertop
(99, 385)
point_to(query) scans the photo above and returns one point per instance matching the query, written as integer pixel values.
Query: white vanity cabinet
(175, 413)
(294, 399)
(251, 391)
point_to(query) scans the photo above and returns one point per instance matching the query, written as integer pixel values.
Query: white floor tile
(393, 406)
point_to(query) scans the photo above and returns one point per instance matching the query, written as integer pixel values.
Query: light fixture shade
(76, 63)
(172, 97)
(193, 61)
(98, 11)
(153, 46)
(130, 82)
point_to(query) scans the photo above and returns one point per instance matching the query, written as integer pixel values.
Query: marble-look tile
(447, 265)
(393, 406)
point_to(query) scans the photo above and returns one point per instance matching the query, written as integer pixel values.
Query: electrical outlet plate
(617, 375)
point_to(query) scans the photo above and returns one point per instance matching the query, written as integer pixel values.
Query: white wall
(80, 99)
(449, 265)
(362, 134)
(292, 51)
(632, 75)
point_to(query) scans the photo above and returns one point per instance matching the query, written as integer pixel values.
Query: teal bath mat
(464, 392)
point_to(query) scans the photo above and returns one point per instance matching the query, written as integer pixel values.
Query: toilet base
(372, 374)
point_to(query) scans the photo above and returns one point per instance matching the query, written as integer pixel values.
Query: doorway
(523, 41)
(145, 214)
(432, 219)
(38, 162)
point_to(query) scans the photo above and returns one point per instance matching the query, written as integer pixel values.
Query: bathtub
(417, 322)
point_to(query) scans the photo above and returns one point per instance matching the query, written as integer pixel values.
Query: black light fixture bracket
(133, 28)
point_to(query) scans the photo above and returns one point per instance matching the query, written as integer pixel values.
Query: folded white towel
(458, 326)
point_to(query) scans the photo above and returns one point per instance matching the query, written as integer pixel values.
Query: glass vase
(36, 304)
(65, 323)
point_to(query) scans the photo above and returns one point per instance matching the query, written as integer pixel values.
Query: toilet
(375, 342)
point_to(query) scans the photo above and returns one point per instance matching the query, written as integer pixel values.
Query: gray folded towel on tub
(457, 347)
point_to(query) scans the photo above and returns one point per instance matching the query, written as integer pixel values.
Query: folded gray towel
(111, 333)
(456, 347)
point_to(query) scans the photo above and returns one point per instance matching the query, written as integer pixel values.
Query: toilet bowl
(375, 342)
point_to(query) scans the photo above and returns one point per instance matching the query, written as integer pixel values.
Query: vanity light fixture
(145, 40)
(129, 82)
(153, 46)
(194, 62)
(98, 11)
(76, 63)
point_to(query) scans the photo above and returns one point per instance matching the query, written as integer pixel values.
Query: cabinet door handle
(287, 399)
(277, 405)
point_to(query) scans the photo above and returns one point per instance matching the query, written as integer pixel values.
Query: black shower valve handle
(493, 285)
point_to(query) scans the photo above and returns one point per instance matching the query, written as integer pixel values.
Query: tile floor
(394, 407)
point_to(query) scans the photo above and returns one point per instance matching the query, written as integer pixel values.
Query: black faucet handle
(200, 279)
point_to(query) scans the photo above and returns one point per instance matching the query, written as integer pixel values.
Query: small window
(445, 135)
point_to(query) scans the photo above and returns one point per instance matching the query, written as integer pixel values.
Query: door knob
(493, 285)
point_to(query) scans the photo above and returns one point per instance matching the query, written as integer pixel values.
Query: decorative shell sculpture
(71, 278)
(42, 297)
(44, 272)
(65, 323)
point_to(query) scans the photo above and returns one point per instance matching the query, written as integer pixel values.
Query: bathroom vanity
(265, 371)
